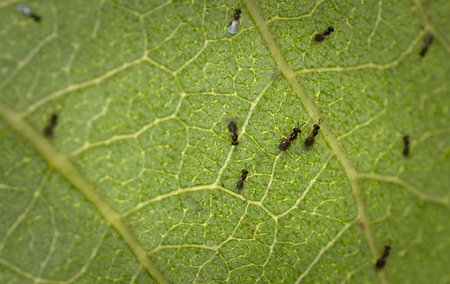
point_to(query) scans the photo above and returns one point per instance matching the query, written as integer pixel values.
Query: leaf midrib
(314, 113)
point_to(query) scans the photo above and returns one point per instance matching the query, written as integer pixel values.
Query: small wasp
(286, 143)
(310, 139)
(240, 183)
(426, 44)
(27, 11)
(232, 28)
(233, 130)
(321, 36)
(406, 145)
(382, 260)
(48, 131)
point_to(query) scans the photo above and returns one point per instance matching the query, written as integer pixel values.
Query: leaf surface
(137, 184)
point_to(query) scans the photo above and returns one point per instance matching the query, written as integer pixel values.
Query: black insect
(310, 139)
(240, 183)
(286, 143)
(48, 131)
(406, 145)
(381, 261)
(233, 130)
(237, 14)
(426, 44)
(233, 26)
(321, 36)
(28, 12)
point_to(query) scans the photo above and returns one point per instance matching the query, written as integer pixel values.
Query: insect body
(382, 260)
(48, 131)
(406, 145)
(310, 139)
(233, 130)
(240, 183)
(321, 36)
(286, 143)
(27, 11)
(426, 44)
(232, 28)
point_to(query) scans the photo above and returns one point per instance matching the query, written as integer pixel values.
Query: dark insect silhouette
(286, 143)
(381, 261)
(233, 26)
(28, 12)
(311, 138)
(233, 130)
(240, 183)
(237, 14)
(406, 145)
(321, 36)
(426, 44)
(48, 130)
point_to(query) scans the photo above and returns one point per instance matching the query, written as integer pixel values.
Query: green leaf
(137, 183)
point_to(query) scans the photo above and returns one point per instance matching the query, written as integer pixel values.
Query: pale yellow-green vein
(313, 111)
(62, 164)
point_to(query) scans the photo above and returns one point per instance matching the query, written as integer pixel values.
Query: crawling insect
(426, 44)
(311, 138)
(28, 12)
(381, 261)
(233, 26)
(240, 183)
(286, 143)
(321, 36)
(406, 145)
(48, 130)
(233, 130)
